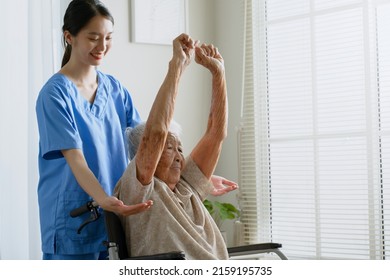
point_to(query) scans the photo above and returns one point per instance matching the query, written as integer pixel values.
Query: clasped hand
(185, 48)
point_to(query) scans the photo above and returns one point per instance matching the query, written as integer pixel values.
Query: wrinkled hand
(222, 185)
(209, 57)
(184, 48)
(113, 204)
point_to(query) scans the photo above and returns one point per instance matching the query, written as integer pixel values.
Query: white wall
(14, 133)
(27, 59)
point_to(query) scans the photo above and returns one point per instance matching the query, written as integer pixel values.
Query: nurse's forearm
(84, 176)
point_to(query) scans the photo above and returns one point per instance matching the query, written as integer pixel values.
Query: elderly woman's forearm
(157, 124)
(164, 104)
(206, 152)
(217, 125)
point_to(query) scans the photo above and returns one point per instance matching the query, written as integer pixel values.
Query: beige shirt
(177, 221)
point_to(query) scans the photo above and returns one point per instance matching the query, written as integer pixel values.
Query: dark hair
(77, 16)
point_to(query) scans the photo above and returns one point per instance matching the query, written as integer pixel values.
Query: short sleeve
(132, 116)
(195, 178)
(56, 123)
(129, 189)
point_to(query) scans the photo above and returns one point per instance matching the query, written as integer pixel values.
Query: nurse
(82, 114)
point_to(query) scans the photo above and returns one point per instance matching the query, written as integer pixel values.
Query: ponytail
(67, 53)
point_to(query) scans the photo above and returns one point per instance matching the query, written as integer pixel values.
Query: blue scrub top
(66, 120)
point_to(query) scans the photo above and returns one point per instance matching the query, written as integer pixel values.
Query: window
(315, 135)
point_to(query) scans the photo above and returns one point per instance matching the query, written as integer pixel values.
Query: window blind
(315, 135)
(253, 168)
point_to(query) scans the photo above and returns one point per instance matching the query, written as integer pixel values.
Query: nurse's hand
(113, 204)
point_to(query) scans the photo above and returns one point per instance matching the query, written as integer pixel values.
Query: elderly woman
(177, 221)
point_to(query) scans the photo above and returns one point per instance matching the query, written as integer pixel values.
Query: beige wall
(228, 36)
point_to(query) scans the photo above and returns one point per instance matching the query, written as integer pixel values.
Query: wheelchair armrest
(163, 256)
(256, 249)
(253, 247)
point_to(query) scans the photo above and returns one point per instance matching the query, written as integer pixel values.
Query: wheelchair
(117, 249)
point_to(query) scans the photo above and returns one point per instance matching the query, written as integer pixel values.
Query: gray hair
(134, 135)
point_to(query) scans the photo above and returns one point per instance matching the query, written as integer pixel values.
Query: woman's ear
(68, 37)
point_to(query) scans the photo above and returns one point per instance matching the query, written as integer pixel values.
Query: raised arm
(206, 152)
(161, 113)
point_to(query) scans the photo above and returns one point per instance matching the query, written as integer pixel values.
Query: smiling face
(92, 43)
(171, 162)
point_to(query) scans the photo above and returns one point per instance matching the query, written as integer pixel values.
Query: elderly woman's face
(171, 162)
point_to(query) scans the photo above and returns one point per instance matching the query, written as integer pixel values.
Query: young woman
(82, 115)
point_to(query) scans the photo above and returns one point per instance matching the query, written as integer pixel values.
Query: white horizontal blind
(253, 169)
(323, 184)
(383, 87)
